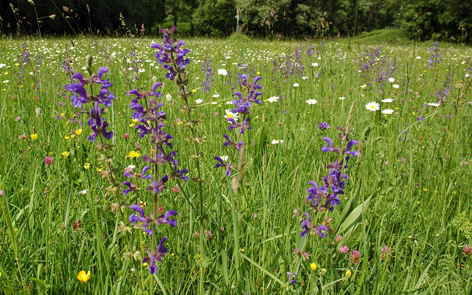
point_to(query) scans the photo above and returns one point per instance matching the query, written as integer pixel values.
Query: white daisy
(296, 85)
(222, 72)
(230, 115)
(273, 99)
(372, 106)
(396, 86)
(433, 104)
(387, 111)
(224, 158)
(391, 79)
(315, 64)
(342, 98)
(198, 101)
(311, 101)
(387, 100)
(277, 141)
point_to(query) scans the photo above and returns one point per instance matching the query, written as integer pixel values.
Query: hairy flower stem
(105, 147)
(181, 81)
(237, 179)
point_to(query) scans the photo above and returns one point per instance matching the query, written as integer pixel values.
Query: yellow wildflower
(133, 154)
(313, 266)
(83, 276)
(87, 166)
(348, 274)
(78, 132)
(34, 136)
(133, 123)
(65, 154)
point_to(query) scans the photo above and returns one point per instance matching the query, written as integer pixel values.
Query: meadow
(349, 173)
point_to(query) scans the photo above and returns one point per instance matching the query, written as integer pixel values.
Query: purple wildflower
(325, 196)
(330, 145)
(435, 56)
(306, 225)
(223, 163)
(158, 186)
(104, 98)
(151, 122)
(129, 187)
(321, 230)
(156, 256)
(324, 125)
(171, 54)
(165, 218)
(140, 220)
(292, 277)
(206, 68)
(249, 95)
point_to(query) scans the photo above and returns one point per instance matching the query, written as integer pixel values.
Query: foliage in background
(423, 19)
(449, 20)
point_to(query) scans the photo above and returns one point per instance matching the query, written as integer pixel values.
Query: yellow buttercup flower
(34, 136)
(133, 154)
(348, 274)
(83, 276)
(133, 123)
(65, 154)
(87, 166)
(78, 132)
(313, 266)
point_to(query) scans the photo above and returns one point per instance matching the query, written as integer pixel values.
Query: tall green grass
(409, 190)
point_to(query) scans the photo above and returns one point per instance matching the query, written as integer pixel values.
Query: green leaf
(353, 216)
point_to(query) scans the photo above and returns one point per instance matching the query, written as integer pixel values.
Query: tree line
(422, 19)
